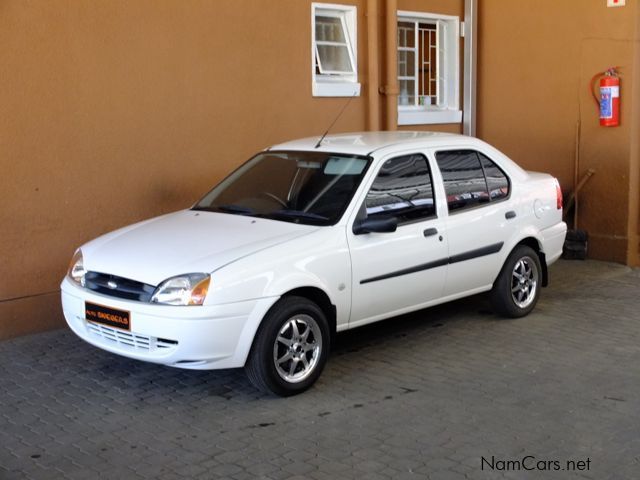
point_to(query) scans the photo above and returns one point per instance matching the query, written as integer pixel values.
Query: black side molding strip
(418, 268)
(479, 252)
(471, 254)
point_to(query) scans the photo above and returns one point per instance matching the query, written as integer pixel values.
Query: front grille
(119, 287)
(132, 340)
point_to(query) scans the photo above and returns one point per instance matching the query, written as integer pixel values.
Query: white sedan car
(310, 238)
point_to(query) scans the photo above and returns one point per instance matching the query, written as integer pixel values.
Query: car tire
(290, 348)
(517, 288)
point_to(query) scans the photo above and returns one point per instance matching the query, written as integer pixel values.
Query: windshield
(312, 188)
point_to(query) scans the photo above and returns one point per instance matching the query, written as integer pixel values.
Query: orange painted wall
(117, 111)
(633, 251)
(536, 59)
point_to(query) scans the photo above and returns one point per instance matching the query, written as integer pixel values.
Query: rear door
(398, 271)
(481, 218)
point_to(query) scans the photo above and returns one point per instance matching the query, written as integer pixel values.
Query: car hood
(184, 242)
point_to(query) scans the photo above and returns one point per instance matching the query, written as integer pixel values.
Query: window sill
(336, 89)
(416, 116)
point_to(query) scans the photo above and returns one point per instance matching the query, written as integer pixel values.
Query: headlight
(190, 289)
(76, 268)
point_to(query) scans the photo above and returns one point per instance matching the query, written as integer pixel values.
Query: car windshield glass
(312, 188)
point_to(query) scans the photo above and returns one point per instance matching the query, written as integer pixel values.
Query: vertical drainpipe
(373, 113)
(470, 67)
(391, 78)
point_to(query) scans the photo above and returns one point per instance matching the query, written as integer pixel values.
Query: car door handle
(510, 214)
(429, 232)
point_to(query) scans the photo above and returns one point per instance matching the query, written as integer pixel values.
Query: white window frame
(336, 84)
(448, 27)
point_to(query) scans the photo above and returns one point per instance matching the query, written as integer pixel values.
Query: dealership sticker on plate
(107, 316)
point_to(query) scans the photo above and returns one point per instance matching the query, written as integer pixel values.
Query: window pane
(407, 92)
(497, 180)
(403, 189)
(406, 63)
(428, 65)
(463, 178)
(334, 58)
(420, 62)
(329, 29)
(440, 65)
(406, 35)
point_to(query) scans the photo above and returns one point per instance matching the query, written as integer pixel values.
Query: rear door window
(470, 179)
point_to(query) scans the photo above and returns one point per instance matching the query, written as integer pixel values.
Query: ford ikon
(313, 237)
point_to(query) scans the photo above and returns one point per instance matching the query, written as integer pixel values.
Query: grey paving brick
(425, 395)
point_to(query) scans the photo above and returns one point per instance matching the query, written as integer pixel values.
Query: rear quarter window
(497, 180)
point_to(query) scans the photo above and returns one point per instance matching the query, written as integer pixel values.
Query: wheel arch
(320, 298)
(257, 366)
(313, 294)
(535, 245)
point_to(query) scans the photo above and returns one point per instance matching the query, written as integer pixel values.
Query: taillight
(558, 196)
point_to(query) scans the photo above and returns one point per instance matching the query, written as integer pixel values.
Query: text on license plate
(107, 316)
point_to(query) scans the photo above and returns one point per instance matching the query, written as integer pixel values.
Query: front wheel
(290, 348)
(517, 288)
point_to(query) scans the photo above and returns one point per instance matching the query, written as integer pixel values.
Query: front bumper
(196, 337)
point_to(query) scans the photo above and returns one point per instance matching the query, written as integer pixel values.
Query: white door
(395, 272)
(481, 218)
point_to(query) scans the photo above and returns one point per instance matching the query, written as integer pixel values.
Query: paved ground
(427, 395)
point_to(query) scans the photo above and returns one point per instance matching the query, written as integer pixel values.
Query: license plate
(107, 316)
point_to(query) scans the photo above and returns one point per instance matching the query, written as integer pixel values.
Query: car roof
(365, 143)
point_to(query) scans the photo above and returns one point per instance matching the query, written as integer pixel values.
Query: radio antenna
(335, 120)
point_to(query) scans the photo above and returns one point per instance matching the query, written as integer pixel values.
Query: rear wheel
(517, 288)
(290, 349)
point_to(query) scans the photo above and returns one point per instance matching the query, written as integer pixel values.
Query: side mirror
(375, 225)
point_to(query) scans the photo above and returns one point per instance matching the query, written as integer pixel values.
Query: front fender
(320, 260)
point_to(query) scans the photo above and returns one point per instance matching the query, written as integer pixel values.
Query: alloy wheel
(297, 348)
(524, 282)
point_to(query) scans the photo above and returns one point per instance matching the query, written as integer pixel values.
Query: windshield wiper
(235, 209)
(239, 209)
(297, 214)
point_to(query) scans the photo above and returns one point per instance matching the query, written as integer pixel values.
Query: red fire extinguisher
(609, 101)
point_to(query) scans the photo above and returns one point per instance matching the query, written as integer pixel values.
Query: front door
(399, 271)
